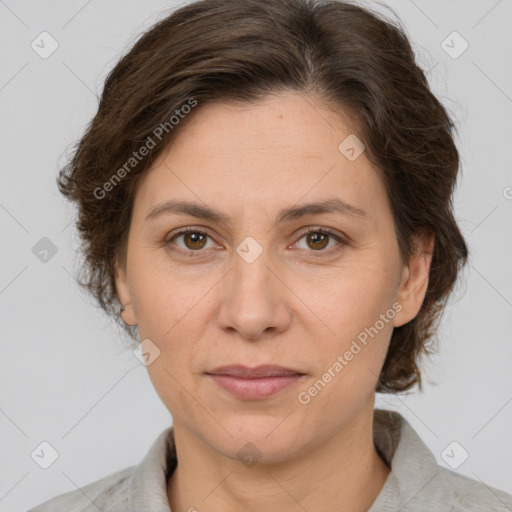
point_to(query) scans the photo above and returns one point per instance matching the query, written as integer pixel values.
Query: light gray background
(65, 376)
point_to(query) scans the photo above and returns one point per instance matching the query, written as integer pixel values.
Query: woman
(265, 200)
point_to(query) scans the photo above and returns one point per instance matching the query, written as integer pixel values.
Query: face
(255, 287)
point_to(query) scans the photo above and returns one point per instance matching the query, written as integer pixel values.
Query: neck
(346, 469)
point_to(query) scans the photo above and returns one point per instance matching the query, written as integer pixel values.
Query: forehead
(289, 121)
(284, 149)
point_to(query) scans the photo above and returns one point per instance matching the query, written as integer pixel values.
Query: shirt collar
(395, 440)
(404, 451)
(148, 487)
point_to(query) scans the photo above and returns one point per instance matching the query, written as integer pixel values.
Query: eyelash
(325, 231)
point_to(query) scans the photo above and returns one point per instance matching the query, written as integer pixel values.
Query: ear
(414, 282)
(124, 294)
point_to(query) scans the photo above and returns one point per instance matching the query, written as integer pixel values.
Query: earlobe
(415, 278)
(124, 296)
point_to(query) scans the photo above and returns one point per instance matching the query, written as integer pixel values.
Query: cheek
(174, 372)
(356, 324)
(169, 298)
(171, 384)
(349, 359)
(351, 299)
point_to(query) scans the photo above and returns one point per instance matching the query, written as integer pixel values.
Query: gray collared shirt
(416, 482)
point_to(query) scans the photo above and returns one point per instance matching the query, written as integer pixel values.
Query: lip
(264, 370)
(254, 383)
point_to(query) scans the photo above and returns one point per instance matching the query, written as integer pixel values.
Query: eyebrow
(335, 205)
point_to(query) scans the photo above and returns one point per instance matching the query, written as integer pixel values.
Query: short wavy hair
(359, 62)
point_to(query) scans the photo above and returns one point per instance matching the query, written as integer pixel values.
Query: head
(253, 110)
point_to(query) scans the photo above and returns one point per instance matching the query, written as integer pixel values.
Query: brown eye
(317, 240)
(194, 240)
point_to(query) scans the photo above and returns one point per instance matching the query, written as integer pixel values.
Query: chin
(261, 438)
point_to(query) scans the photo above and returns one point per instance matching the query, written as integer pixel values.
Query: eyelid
(342, 239)
(187, 229)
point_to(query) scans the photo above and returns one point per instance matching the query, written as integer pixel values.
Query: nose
(254, 299)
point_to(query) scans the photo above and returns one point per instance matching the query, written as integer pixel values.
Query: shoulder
(441, 490)
(418, 482)
(464, 494)
(139, 487)
(106, 494)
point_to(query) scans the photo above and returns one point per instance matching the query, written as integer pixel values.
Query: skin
(287, 307)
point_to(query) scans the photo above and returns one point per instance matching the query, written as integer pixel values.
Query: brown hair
(361, 63)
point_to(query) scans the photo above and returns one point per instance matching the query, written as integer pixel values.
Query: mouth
(245, 372)
(254, 383)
